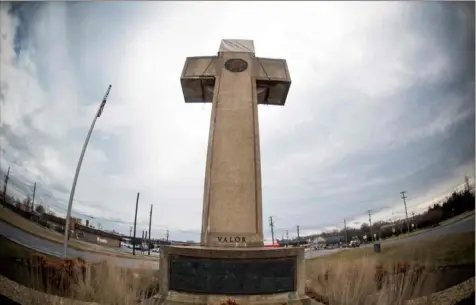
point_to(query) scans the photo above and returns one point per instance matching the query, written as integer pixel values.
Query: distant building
(98, 236)
(86, 233)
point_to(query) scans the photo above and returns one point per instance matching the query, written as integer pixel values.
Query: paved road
(47, 247)
(461, 226)
(55, 249)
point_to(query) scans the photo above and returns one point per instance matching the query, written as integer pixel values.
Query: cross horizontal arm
(272, 80)
(198, 79)
(271, 69)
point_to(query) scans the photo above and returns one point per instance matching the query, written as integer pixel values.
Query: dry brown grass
(356, 276)
(399, 273)
(107, 284)
(103, 283)
(366, 281)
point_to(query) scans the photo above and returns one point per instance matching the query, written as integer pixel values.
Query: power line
(39, 195)
(271, 224)
(142, 243)
(370, 225)
(345, 231)
(5, 183)
(406, 212)
(150, 223)
(33, 200)
(135, 225)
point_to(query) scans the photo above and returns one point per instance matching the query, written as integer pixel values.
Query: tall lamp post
(71, 196)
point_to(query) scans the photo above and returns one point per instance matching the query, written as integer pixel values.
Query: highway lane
(461, 226)
(55, 249)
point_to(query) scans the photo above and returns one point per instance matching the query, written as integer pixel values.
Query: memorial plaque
(232, 276)
(236, 65)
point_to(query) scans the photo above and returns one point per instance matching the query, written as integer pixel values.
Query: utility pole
(287, 235)
(150, 223)
(33, 200)
(130, 233)
(297, 227)
(345, 232)
(406, 212)
(78, 168)
(7, 176)
(167, 235)
(135, 226)
(370, 226)
(142, 243)
(271, 225)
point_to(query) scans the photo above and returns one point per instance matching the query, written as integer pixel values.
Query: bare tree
(40, 209)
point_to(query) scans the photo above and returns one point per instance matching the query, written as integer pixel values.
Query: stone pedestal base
(203, 275)
(176, 298)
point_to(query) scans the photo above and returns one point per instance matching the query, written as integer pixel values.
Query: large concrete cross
(235, 82)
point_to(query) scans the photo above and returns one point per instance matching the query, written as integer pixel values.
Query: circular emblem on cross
(236, 65)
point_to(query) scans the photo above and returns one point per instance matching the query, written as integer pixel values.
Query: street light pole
(75, 180)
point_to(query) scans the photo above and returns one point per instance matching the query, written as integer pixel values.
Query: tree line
(456, 204)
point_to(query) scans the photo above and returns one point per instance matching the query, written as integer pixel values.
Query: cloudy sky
(382, 101)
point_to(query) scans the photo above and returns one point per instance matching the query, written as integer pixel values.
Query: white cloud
(347, 70)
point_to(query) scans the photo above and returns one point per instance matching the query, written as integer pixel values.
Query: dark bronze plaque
(232, 276)
(236, 65)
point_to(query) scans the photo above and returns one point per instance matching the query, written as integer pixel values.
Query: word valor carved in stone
(231, 239)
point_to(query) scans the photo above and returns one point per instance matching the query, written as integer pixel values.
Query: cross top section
(237, 45)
